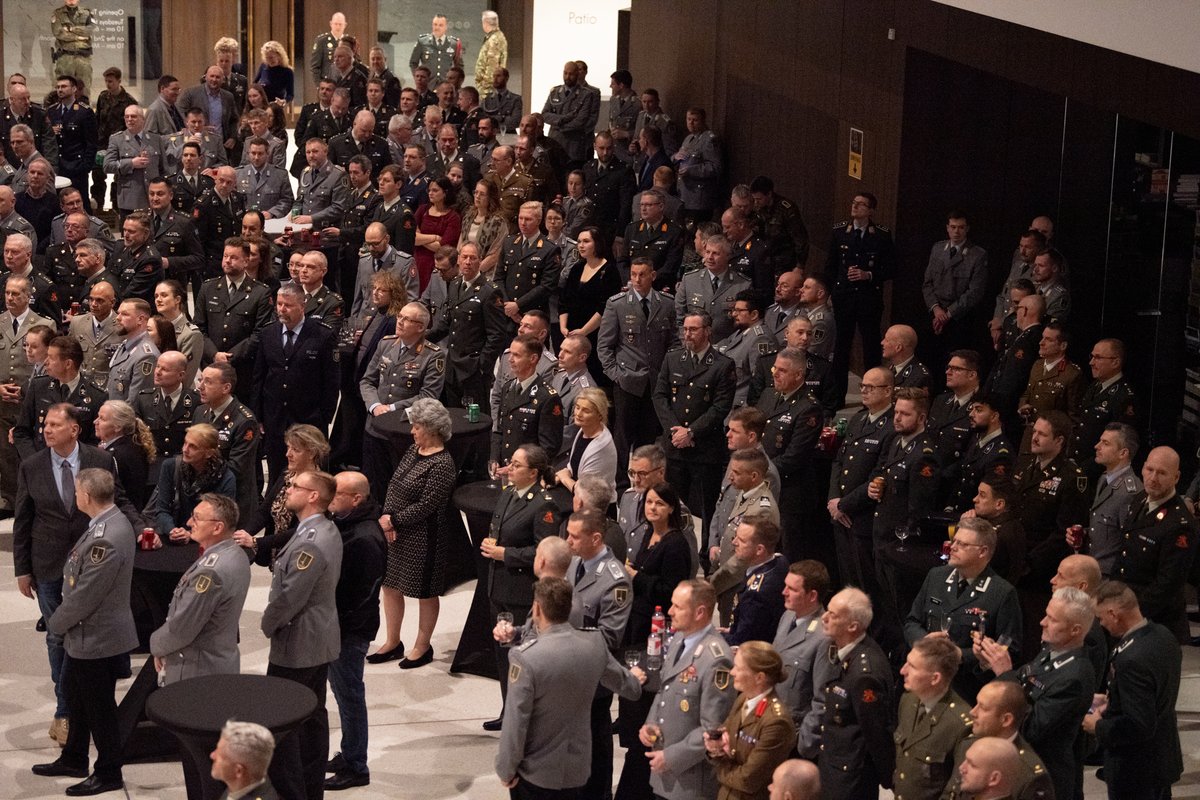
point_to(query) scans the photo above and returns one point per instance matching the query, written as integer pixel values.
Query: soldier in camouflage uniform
(72, 41)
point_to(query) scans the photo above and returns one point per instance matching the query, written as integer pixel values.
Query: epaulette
(841, 224)
(615, 570)
(619, 296)
(883, 228)
(433, 347)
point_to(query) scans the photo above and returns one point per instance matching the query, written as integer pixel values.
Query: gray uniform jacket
(732, 505)
(632, 346)
(696, 294)
(94, 619)
(601, 597)
(269, 189)
(696, 695)
(324, 194)
(824, 333)
(191, 344)
(131, 368)
(804, 648)
(745, 348)
(699, 166)
(212, 150)
(132, 182)
(567, 111)
(394, 261)
(552, 678)
(1111, 512)
(200, 634)
(301, 614)
(955, 282)
(397, 381)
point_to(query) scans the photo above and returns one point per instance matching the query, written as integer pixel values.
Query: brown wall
(190, 29)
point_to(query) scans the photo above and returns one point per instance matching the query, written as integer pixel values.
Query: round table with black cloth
(195, 710)
(475, 654)
(465, 437)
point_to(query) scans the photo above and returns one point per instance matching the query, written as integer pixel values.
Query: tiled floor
(426, 741)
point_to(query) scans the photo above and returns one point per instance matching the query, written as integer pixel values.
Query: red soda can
(1076, 537)
(147, 539)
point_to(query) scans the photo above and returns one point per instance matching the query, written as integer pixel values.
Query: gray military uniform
(324, 194)
(301, 616)
(601, 597)
(738, 504)
(696, 695)
(190, 339)
(1110, 512)
(804, 648)
(131, 368)
(132, 182)
(200, 634)
(212, 150)
(94, 619)
(824, 332)
(394, 261)
(630, 345)
(397, 375)
(268, 189)
(777, 318)
(696, 294)
(745, 348)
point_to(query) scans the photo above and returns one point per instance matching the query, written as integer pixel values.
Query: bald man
(987, 770)
(1083, 572)
(899, 352)
(795, 779)
(1161, 542)
(134, 156)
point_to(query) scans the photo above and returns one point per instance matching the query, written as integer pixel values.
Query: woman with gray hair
(414, 521)
(120, 432)
(597, 493)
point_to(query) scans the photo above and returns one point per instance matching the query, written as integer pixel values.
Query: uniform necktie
(963, 583)
(858, 234)
(792, 627)
(953, 251)
(780, 318)
(15, 326)
(192, 183)
(137, 138)
(166, 398)
(920, 713)
(287, 341)
(646, 308)
(67, 487)
(378, 264)
(579, 573)
(157, 224)
(678, 653)
(716, 281)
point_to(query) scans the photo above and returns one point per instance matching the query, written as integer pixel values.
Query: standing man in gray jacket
(98, 632)
(302, 623)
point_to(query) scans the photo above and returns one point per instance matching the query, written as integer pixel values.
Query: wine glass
(467, 401)
(633, 658)
(902, 534)
(505, 619)
(493, 466)
(944, 623)
(1004, 640)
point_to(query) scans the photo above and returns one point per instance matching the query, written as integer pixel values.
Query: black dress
(581, 299)
(418, 500)
(659, 570)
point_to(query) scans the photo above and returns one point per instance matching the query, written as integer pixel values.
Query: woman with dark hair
(171, 304)
(437, 224)
(162, 333)
(662, 561)
(183, 478)
(258, 97)
(485, 226)
(465, 204)
(591, 281)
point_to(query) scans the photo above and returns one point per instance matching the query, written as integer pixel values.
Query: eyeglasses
(872, 386)
(957, 545)
(635, 473)
(952, 368)
(413, 320)
(204, 519)
(518, 465)
(369, 243)
(1098, 357)
(302, 488)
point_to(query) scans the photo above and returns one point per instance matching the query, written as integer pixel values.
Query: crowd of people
(688, 519)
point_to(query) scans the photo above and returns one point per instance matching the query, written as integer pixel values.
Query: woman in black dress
(414, 521)
(592, 280)
(120, 432)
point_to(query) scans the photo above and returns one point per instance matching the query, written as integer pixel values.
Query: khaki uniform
(1031, 783)
(925, 744)
(1058, 389)
(14, 368)
(758, 742)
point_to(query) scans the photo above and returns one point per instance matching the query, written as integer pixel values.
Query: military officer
(218, 214)
(168, 409)
(319, 301)
(360, 140)
(404, 367)
(817, 372)
(529, 265)
(899, 352)
(932, 720)
(320, 61)
(98, 631)
(1159, 544)
(749, 342)
(72, 51)
(189, 184)
(758, 601)
(637, 329)
(61, 383)
(1108, 398)
(1052, 493)
(437, 51)
(382, 255)
(200, 633)
(648, 468)
(692, 398)
(472, 326)
(1117, 488)
(802, 644)
(794, 423)
(324, 194)
(536, 324)
(59, 262)
(174, 235)
(949, 420)
(657, 238)
(954, 286)
(1054, 381)
(212, 149)
(1010, 375)
(302, 623)
(131, 367)
(751, 256)
(75, 125)
(696, 695)
(999, 711)
(267, 187)
(96, 332)
(18, 260)
(987, 453)
(259, 122)
(745, 493)
(530, 409)
(134, 156)
(857, 751)
(862, 257)
(237, 431)
(782, 227)
(350, 230)
(15, 371)
(712, 289)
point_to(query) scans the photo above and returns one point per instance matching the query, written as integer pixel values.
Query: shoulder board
(717, 649)
(615, 570)
(883, 228)
(433, 348)
(841, 224)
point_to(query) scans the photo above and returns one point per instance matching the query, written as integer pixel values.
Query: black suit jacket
(185, 198)
(300, 387)
(132, 469)
(1155, 560)
(43, 530)
(518, 525)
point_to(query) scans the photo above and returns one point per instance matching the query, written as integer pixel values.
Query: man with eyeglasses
(965, 597)
(987, 453)
(749, 342)
(949, 420)
(405, 366)
(1055, 382)
(657, 238)
(1109, 398)
(869, 433)
(301, 620)
(818, 372)
(381, 256)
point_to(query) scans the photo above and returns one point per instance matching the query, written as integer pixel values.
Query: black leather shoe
(346, 780)
(419, 661)
(94, 785)
(40, 627)
(60, 768)
(384, 656)
(493, 725)
(335, 764)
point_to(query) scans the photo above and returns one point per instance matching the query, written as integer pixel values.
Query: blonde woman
(593, 451)
(275, 73)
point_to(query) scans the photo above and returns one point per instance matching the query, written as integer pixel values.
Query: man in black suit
(295, 374)
(47, 522)
(525, 514)
(1135, 723)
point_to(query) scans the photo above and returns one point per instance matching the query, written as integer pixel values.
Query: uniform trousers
(524, 790)
(9, 460)
(599, 783)
(863, 310)
(298, 768)
(90, 685)
(634, 424)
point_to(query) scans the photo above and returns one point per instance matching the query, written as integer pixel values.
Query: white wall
(1164, 31)
(572, 30)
